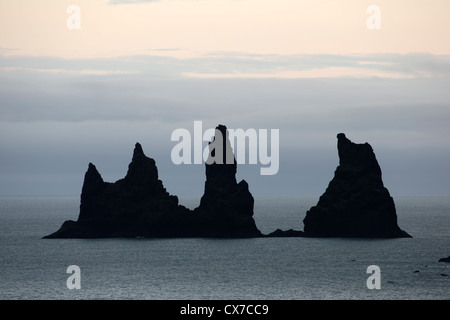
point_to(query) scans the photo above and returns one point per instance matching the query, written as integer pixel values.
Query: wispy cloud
(330, 72)
(91, 72)
(394, 66)
(234, 65)
(130, 1)
(229, 65)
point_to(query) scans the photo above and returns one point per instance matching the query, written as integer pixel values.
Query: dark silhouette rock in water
(445, 259)
(356, 203)
(139, 205)
(291, 233)
(226, 208)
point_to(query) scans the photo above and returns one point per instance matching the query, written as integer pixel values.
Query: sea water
(262, 268)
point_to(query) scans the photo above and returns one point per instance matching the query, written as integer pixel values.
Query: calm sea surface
(273, 268)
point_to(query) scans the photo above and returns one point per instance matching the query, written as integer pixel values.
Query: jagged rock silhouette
(356, 203)
(139, 205)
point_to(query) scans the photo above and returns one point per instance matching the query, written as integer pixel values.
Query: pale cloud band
(130, 1)
(235, 65)
(90, 72)
(331, 72)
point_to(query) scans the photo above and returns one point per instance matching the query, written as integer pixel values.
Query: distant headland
(355, 204)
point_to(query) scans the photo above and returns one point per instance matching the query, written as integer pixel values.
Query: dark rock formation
(226, 208)
(445, 259)
(286, 233)
(356, 203)
(139, 206)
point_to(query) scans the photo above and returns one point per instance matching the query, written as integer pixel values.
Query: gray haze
(58, 115)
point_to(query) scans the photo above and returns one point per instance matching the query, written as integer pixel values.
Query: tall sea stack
(356, 203)
(226, 207)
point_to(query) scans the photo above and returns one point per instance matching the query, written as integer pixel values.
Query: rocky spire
(92, 179)
(221, 165)
(356, 203)
(226, 206)
(93, 187)
(142, 170)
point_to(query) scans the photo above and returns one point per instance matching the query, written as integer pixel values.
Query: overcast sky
(137, 70)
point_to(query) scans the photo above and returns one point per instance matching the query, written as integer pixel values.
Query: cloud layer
(57, 115)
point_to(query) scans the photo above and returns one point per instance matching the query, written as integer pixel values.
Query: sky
(84, 80)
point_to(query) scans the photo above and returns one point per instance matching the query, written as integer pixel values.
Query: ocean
(255, 269)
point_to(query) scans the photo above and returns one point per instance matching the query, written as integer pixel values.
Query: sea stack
(139, 205)
(226, 207)
(356, 203)
(135, 206)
